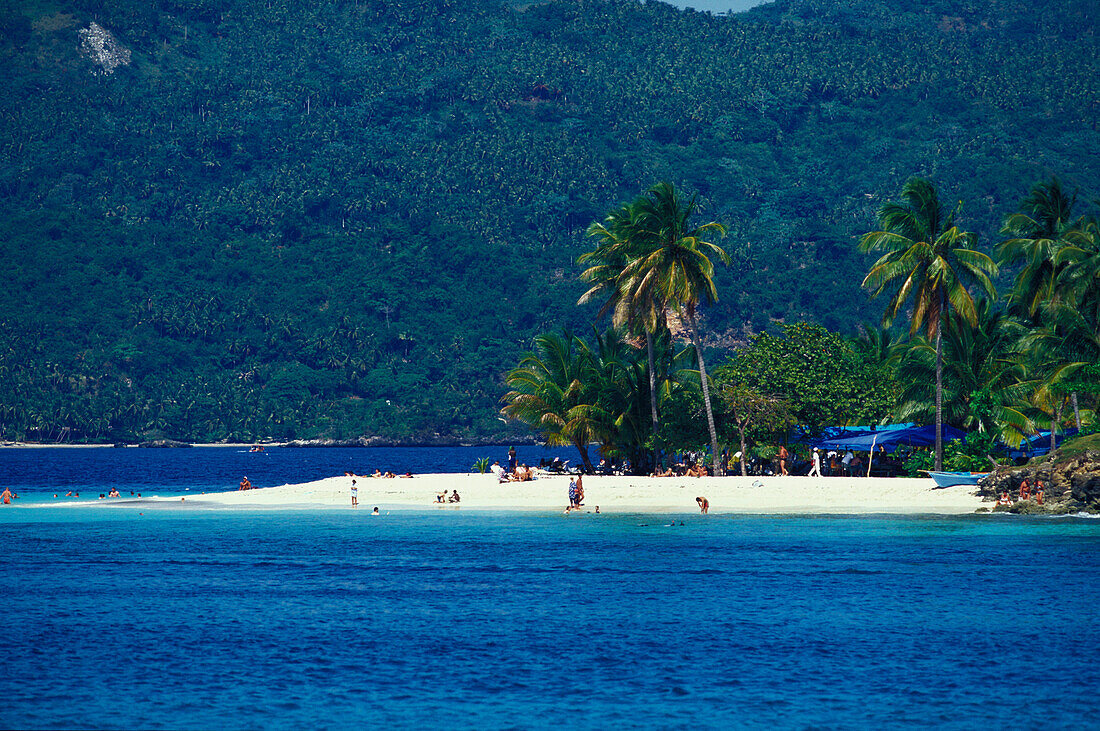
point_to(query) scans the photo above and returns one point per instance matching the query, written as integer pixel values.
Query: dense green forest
(233, 219)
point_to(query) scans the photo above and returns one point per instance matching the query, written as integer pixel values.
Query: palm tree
(616, 244)
(986, 383)
(551, 392)
(673, 269)
(1038, 232)
(929, 261)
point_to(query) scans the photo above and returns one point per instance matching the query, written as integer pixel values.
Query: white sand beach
(730, 495)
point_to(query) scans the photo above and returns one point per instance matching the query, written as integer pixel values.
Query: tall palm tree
(927, 260)
(616, 244)
(673, 269)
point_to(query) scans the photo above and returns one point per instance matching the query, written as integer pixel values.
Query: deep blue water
(131, 617)
(41, 472)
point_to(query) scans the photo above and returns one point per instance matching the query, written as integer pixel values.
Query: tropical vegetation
(1001, 371)
(241, 220)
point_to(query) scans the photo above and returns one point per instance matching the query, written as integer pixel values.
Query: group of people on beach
(516, 472)
(682, 470)
(443, 497)
(1025, 493)
(521, 473)
(378, 474)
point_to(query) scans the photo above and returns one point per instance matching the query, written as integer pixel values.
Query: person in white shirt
(815, 471)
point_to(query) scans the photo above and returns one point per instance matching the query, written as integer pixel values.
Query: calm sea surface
(178, 618)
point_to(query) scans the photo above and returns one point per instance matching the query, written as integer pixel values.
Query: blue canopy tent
(890, 439)
(1038, 445)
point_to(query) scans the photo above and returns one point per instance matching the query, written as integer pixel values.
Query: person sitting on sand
(497, 470)
(389, 475)
(1004, 499)
(245, 484)
(454, 498)
(664, 473)
(704, 504)
(377, 472)
(441, 497)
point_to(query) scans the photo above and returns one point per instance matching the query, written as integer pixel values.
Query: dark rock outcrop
(1070, 484)
(164, 444)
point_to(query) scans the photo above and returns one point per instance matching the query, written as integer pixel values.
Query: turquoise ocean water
(140, 617)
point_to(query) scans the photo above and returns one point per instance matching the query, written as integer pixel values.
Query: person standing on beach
(815, 471)
(354, 494)
(704, 504)
(511, 459)
(783, 455)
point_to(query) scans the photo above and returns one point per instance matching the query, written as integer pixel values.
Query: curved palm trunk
(653, 398)
(583, 449)
(939, 398)
(1076, 410)
(718, 470)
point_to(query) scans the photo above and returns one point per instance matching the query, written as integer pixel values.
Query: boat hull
(950, 479)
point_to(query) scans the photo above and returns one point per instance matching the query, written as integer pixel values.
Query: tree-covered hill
(244, 219)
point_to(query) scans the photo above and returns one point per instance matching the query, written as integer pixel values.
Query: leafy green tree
(826, 381)
(929, 261)
(749, 409)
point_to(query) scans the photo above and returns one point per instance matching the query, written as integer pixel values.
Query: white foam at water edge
(1074, 515)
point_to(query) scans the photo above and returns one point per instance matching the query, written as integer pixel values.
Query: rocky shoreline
(1071, 484)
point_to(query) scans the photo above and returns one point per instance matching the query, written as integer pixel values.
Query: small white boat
(949, 479)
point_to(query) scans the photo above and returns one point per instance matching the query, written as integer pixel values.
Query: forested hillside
(238, 219)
